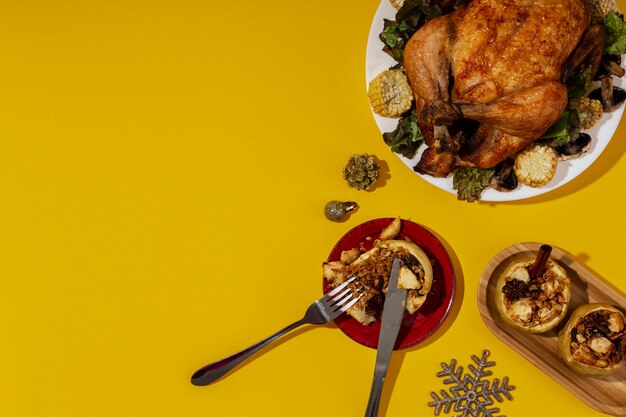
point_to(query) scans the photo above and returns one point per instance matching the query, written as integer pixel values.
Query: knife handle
(214, 371)
(375, 393)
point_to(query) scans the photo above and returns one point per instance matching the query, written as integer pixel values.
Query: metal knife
(393, 310)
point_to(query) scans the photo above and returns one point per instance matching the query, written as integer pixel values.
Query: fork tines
(342, 297)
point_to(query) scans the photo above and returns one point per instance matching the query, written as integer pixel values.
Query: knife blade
(393, 311)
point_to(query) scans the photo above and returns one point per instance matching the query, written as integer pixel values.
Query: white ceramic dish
(378, 61)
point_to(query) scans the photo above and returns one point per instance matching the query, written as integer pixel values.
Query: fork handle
(213, 371)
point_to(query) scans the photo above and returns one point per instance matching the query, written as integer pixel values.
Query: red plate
(418, 326)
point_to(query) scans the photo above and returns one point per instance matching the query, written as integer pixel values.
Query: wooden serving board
(605, 394)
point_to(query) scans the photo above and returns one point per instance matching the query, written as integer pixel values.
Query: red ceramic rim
(420, 325)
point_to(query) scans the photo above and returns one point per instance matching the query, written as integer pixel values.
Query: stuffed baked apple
(533, 294)
(593, 342)
(372, 269)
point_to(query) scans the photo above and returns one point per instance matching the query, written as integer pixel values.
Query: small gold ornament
(336, 211)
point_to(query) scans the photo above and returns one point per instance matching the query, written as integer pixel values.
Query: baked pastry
(593, 342)
(372, 269)
(535, 304)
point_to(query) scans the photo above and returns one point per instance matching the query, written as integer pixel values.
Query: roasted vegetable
(389, 93)
(471, 182)
(504, 178)
(535, 166)
(611, 65)
(600, 8)
(574, 148)
(611, 97)
(407, 136)
(589, 111)
(565, 136)
(397, 4)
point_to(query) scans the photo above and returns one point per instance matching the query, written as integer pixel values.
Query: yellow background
(163, 171)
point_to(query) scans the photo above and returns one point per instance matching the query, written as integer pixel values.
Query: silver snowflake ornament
(471, 394)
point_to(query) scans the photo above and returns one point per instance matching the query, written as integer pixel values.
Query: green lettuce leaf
(411, 16)
(615, 34)
(566, 129)
(471, 182)
(406, 138)
(579, 83)
(560, 129)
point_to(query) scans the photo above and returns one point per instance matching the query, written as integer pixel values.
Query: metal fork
(327, 308)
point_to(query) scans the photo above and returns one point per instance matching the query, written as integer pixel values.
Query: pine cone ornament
(361, 171)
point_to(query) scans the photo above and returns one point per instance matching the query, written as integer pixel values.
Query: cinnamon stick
(617, 336)
(539, 266)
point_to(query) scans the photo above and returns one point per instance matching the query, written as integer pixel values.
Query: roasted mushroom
(504, 178)
(592, 341)
(610, 96)
(610, 65)
(574, 148)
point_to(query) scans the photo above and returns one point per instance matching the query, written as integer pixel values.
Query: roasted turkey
(497, 63)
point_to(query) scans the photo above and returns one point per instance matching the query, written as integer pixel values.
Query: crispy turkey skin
(499, 63)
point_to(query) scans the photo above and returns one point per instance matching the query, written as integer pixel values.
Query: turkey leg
(427, 65)
(527, 113)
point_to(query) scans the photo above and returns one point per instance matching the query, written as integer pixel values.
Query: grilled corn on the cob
(390, 94)
(600, 8)
(536, 165)
(589, 111)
